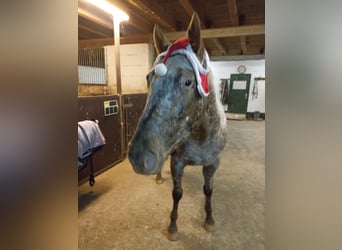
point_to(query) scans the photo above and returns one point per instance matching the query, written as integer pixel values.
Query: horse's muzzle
(143, 162)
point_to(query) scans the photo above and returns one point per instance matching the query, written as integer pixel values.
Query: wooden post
(116, 27)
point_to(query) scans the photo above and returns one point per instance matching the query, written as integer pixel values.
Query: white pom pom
(160, 69)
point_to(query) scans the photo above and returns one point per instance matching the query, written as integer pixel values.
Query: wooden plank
(233, 13)
(206, 33)
(187, 6)
(234, 18)
(94, 31)
(86, 14)
(161, 18)
(91, 43)
(248, 30)
(219, 45)
(134, 21)
(190, 10)
(237, 57)
(243, 44)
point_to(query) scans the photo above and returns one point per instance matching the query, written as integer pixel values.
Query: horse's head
(178, 89)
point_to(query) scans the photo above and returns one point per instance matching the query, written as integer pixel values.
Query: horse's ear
(161, 43)
(194, 35)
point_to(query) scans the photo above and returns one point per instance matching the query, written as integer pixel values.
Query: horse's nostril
(150, 160)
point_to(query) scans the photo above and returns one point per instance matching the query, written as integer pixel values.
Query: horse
(183, 117)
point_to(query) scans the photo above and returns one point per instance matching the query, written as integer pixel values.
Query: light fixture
(111, 9)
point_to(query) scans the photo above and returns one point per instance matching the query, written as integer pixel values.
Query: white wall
(223, 69)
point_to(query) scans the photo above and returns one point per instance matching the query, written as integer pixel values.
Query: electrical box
(111, 107)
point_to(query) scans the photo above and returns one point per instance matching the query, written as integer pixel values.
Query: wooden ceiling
(229, 27)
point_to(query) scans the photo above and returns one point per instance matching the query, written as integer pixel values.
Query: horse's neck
(216, 113)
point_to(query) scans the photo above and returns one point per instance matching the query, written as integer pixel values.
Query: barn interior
(123, 210)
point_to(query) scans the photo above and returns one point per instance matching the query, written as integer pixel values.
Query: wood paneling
(220, 19)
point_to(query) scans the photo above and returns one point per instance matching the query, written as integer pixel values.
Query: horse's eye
(187, 83)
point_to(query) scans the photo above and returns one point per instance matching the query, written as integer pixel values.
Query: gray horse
(183, 117)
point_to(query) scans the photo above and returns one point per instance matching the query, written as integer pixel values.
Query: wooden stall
(117, 110)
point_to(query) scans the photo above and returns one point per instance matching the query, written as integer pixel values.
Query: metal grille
(91, 66)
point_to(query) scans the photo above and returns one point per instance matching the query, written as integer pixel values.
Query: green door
(238, 93)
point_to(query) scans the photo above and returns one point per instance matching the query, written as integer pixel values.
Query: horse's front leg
(177, 174)
(159, 178)
(208, 172)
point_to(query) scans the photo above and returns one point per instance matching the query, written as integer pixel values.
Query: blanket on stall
(90, 138)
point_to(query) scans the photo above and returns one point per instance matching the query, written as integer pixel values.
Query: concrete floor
(124, 210)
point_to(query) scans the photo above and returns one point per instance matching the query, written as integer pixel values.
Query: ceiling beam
(94, 31)
(190, 10)
(248, 30)
(109, 24)
(243, 44)
(100, 42)
(86, 14)
(234, 18)
(161, 18)
(233, 13)
(219, 45)
(187, 6)
(237, 57)
(94, 43)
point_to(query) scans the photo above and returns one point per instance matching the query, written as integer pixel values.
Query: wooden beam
(100, 42)
(234, 18)
(161, 18)
(190, 10)
(187, 6)
(219, 45)
(94, 43)
(116, 24)
(249, 30)
(139, 23)
(99, 33)
(86, 14)
(243, 44)
(233, 13)
(96, 18)
(237, 57)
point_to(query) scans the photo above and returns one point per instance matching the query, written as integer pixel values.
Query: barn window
(91, 66)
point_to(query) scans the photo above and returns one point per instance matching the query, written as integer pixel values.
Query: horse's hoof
(209, 227)
(172, 236)
(160, 180)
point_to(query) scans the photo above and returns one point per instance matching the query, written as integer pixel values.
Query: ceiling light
(110, 8)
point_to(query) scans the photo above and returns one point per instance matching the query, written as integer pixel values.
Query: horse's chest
(197, 152)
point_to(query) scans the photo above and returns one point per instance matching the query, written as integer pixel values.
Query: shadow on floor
(84, 199)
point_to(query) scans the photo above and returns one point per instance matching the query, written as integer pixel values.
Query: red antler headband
(182, 46)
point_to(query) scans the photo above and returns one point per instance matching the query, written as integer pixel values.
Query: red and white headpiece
(183, 47)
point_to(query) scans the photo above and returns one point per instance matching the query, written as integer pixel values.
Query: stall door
(133, 106)
(106, 110)
(238, 93)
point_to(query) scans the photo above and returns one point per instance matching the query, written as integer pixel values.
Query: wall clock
(242, 69)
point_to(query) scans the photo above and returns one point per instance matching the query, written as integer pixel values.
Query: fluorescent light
(111, 9)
